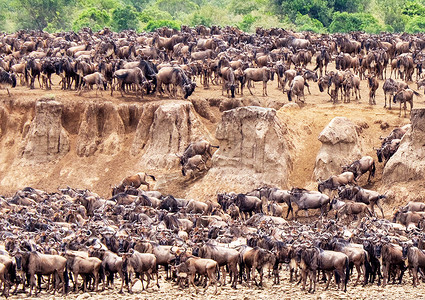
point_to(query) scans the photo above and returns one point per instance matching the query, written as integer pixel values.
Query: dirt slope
(114, 157)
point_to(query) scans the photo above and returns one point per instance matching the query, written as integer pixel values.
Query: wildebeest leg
(329, 278)
(265, 88)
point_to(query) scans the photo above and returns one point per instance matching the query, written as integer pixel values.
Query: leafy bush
(124, 18)
(155, 24)
(305, 23)
(346, 22)
(93, 18)
(415, 25)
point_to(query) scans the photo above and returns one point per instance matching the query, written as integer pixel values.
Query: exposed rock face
(253, 149)
(174, 127)
(408, 163)
(101, 130)
(340, 146)
(45, 138)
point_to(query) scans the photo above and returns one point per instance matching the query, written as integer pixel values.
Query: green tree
(247, 22)
(177, 7)
(415, 24)
(124, 18)
(305, 23)
(37, 14)
(93, 18)
(346, 22)
(155, 24)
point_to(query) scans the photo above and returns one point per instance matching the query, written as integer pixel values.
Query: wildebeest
(194, 163)
(176, 77)
(373, 85)
(142, 264)
(202, 266)
(335, 181)
(224, 257)
(353, 208)
(134, 181)
(306, 200)
(7, 78)
(248, 204)
(361, 166)
(413, 206)
(391, 87)
(387, 150)
(263, 74)
(130, 76)
(277, 195)
(296, 87)
(201, 147)
(95, 78)
(416, 259)
(84, 266)
(111, 264)
(43, 264)
(359, 194)
(392, 257)
(254, 259)
(313, 259)
(405, 96)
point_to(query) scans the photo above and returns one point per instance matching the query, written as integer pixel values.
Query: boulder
(44, 137)
(340, 146)
(408, 163)
(253, 150)
(175, 125)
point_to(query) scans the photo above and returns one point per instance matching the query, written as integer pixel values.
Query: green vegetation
(321, 16)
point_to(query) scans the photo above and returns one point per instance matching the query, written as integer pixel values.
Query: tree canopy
(372, 16)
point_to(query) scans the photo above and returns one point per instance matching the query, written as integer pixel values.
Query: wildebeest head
(379, 154)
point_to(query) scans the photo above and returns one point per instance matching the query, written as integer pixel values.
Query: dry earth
(98, 171)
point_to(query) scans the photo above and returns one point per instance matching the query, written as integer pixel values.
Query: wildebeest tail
(317, 66)
(416, 93)
(289, 95)
(372, 170)
(347, 274)
(151, 176)
(215, 146)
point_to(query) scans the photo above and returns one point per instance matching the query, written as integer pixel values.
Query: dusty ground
(307, 122)
(285, 290)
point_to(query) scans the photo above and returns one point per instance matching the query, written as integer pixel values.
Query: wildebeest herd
(170, 60)
(49, 240)
(70, 233)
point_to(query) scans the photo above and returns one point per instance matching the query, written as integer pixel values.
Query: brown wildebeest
(44, 264)
(277, 195)
(351, 82)
(404, 96)
(416, 260)
(202, 147)
(93, 79)
(322, 60)
(296, 87)
(176, 77)
(409, 217)
(132, 181)
(111, 264)
(392, 257)
(336, 80)
(420, 83)
(335, 181)
(413, 207)
(390, 87)
(373, 85)
(263, 74)
(224, 257)
(83, 266)
(194, 163)
(141, 263)
(361, 166)
(356, 255)
(7, 78)
(130, 76)
(228, 76)
(254, 259)
(202, 266)
(313, 259)
(353, 208)
(360, 194)
(387, 150)
(306, 200)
